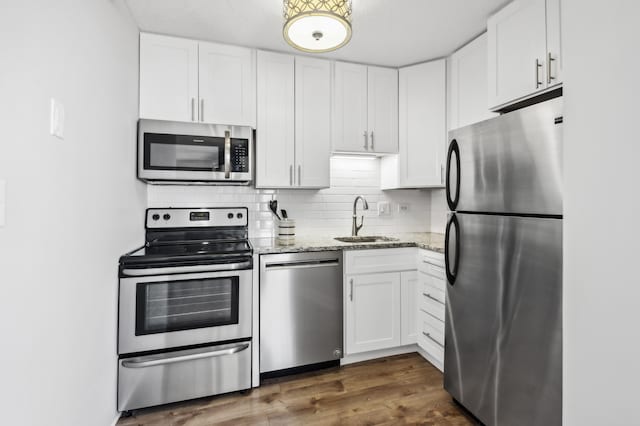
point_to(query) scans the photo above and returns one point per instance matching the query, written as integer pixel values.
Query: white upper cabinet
(422, 129)
(312, 122)
(227, 84)
(365, 113)
(524, 50)
(467, 98)
(350, 130)
(188, 80)
(382, 109)
(275, 138)
(168, 78)
(293, 136)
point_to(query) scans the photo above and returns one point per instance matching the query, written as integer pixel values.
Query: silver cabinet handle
(299, 175)
(202, 109)
(428, 336)
(442, 174)
(538, 66)
(431, 297)
(366, 140)
(193, 109)
(227, 154)
(153, 360)
(549, 76)
(291, 175)
(351, 291)
(372, 140)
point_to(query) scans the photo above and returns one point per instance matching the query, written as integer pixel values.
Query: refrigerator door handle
(451, 275)
(453, 149)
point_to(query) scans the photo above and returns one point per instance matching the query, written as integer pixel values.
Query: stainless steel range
(185, 308)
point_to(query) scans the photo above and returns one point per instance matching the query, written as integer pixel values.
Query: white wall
(73, 206)
(602, 211)
(316, 212)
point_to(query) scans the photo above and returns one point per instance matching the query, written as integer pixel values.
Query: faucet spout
(365, 206)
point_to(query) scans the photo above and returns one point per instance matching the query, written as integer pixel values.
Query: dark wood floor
(403, 389)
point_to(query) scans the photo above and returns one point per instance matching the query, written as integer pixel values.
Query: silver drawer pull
(432, 298)
(152, 360)
(432, 263)
(428, 336)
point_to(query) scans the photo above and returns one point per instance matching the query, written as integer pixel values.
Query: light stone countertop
(308, 243)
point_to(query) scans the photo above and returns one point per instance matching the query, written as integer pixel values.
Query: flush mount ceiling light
(317, 25)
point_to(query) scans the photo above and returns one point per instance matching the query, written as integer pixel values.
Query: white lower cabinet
(373, 312)
(380, 299)
(432, 301)
(408, 307)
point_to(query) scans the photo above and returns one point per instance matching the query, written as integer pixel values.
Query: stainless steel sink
(365, 239)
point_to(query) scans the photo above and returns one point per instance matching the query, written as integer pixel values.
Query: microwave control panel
(240, 155)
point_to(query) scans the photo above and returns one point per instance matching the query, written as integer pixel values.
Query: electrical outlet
(56, 122)
(384, 208)
(403, 208)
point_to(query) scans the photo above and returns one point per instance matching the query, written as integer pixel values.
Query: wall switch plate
(56, 122)
(403, 208)
(384, 208)
(3, 201)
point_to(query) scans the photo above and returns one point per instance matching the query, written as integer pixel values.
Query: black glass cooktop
(194, 248)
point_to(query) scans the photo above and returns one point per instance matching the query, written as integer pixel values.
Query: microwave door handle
(227, 154)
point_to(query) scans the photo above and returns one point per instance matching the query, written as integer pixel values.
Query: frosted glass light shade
(317, 25)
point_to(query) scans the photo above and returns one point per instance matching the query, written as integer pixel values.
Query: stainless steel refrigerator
(503, 256)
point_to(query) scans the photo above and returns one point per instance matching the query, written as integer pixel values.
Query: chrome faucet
(365, 206)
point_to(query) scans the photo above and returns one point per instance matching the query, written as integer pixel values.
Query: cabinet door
(350, 131)
(468, 84)
(373, 312)
(517, 49)
(383, 109)
(275, 133)
(554, 44)
(409, 307)
(422, 124)
(313, 122)
(227, 84)
(168, 78)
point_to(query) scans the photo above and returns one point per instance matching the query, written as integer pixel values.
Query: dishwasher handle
(302, 264)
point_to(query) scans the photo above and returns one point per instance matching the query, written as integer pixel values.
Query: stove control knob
(155, 216)
(230, 215)
(239, 215)
(166, 216)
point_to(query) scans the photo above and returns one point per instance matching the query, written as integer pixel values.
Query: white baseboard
(113, 423)
(366, 356)
(433, 361)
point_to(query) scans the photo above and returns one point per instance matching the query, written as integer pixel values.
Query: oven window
(188, 153)
(184, 305)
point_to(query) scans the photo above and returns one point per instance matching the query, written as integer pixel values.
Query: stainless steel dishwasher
(300, 309)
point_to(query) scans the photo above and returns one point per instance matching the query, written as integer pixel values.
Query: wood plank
(403, 389)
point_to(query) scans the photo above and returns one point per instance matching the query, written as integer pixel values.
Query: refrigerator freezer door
(503, 335)
(509, 164)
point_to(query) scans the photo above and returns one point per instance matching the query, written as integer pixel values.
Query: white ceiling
(385, 32)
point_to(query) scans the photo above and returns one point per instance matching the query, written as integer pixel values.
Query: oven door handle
(153, 360)
(186, 269)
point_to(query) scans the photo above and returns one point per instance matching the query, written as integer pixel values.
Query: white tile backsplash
(439, 211)
(315, 211)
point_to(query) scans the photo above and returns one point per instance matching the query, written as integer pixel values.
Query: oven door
(168, 311)
(194, 152)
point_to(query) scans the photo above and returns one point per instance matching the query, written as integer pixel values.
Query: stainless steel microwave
(194, 153)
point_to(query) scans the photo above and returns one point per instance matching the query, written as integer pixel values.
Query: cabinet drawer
(379, 260)
(437, 282)
(430, 305)
(431, 340)
(430, 291)
(431, 257)
(432, 328)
